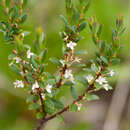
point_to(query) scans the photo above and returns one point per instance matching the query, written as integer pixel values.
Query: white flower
(49, 88)
(17, 59)
(72, 79)
(77, 60)
(29, 54)
(18, 84)
(112, 73)
(106, 87)
(69, 75)
(25, 62)
(35, 86)
(22, 73)
(43, 95)
(89, 78)
(79, 106)
(71, 45)
(101, 80)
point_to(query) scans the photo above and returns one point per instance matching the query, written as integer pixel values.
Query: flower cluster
(18, 84)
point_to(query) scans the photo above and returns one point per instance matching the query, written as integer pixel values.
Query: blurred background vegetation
(14, 113)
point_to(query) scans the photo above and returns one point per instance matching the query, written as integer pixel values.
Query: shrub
(43, 87)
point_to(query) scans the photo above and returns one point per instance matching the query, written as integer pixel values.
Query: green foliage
(56, 61)
(91, 97)
(30, 63)
(74, 92)
(73, 108)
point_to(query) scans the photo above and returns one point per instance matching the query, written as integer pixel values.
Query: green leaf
(87, 7)
(88, 70)
(68, 4)
(57, 104)
(41, 38)
(34, 106)
(94, 68)
(111, 51)
(82, 80)
(64, 19)
(15, 69)
(29, 77)
(74, 92)
(76, 16)
(51, 81)
(16, 12)
(91, 97)
(43, 54)
(104, 59)
(78, 65)
(82, 26)
(49, 75)
(49, 106)
(55, 92)
(68, 83)
(39, 115)
(24, 3)
(73, 108)
(81, 52)
(32, 98)
(49, 103)
(103, 45)
(115, 61)
(60, 118)
(100, 30)
(8, 3)
(122, 31)
(23, 18)
(11, 56)
(42, 66)
(56, 61)
(34, 63)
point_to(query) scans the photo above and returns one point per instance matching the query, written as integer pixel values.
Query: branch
(64, 68)
(88, 90)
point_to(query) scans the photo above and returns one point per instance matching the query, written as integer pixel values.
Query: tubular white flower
(17, 59)
(18, 84)
(49, 88)
(101, 80)
(89, 78)
(69, 75)
(29, 54)
(43, 95)
(77, 60)
(105, 86)
(79, 106)
(35, 86)
(71, 45)
(112, 73)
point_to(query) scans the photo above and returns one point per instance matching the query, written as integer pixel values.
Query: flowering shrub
(29, 63)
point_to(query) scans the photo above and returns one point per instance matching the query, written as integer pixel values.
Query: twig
(88, 90)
